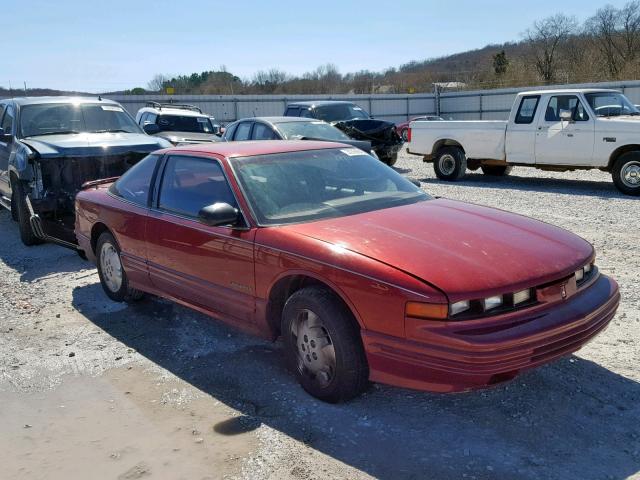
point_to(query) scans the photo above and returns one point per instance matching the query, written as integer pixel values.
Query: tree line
(555, 49)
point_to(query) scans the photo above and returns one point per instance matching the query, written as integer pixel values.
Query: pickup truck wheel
(23, 215)
(323, 345)
(113, 278)
(450, 164)
(626, 173)
(496, 170)
(14, 206)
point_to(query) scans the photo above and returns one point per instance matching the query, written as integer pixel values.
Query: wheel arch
(98, 229)
(291, 282)
(446, 142)
(618, 152)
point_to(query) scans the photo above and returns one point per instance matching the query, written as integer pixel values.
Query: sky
(94, 46)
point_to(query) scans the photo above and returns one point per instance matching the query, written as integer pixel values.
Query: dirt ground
(95, 389)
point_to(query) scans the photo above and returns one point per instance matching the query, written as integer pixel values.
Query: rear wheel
(113, 278)
(496, 170)
(404, 133)
(626, 173)
(323, 345)
(23, 215)
(450, 164)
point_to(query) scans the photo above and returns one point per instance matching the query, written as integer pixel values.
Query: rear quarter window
(135, 185)
(527, 109)
(292, 112)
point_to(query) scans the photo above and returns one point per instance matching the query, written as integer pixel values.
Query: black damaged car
(51, 146)
(355, 122)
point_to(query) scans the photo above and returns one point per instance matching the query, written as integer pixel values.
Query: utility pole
(25, 87)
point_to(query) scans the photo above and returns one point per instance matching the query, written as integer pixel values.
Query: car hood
(463, 249)
(621, 124)
(89, 144)
(188, 137)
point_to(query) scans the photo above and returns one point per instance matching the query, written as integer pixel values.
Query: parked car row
(310, 238)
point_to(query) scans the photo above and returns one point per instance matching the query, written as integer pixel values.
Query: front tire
(496, 170)
(450, 164)
(626, 173)
(113, 278)
(23, 215)
(323, 345)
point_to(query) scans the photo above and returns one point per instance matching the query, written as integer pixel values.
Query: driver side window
(565, 102)
(191, 183)
(7, 120)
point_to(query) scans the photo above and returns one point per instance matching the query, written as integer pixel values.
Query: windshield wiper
(111, 130)
(61, 132)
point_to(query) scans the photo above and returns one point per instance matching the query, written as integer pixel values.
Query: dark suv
(51, 146)
(355, 122)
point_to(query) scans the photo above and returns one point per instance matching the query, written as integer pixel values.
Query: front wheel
(23, 215)
(450, 164)
(496, 170)
(626, 173)
(323, 345)
(113, 278)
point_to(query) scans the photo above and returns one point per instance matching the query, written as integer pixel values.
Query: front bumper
(460, 356)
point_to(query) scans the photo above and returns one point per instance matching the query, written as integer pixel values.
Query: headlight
(521, 296)
(579, 275)
(492, 302)
(459, 307)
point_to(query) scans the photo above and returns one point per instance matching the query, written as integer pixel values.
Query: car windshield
(339, 111)
(60, 118)
(184, 123)
(611, 104)
(298, 130)
(317, 184)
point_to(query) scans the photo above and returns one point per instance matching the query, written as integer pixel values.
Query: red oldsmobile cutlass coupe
(364, 275)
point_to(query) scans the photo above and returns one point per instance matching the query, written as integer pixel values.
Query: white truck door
(567, 141)
(520, 138)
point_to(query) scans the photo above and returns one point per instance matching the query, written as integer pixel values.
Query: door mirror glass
(151, 128)
(219, 214)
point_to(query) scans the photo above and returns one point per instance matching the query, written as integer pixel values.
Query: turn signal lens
(521, 296)
(492, 302)
(459, 307)
(434, 311)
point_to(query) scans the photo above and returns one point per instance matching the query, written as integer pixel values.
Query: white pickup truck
(558, 130)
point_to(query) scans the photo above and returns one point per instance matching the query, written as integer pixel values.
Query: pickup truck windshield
(183, 123)
(61, 118)
(298, 130)
(610, 104)
(312, 185)
(339, 111)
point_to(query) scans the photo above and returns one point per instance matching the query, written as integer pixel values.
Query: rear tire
(113, 278)
(496, 170)
(23, 215)
(450, 164)
(404, 133)
(323, 345)
(626, 173)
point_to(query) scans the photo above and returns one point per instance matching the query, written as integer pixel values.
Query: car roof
(62, 99)
(257, 147)
(276, 120)
(165, 110)
(560, 91)
(318, 103)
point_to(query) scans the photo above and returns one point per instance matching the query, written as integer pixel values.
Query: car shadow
(41, 261)
(571, 419)
(547, 185)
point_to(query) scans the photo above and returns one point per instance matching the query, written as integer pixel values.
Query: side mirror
(219, 214)
(151, 128)
(566, 115)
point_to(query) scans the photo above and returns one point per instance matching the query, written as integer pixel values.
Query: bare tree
(158, 82)
(547, 37)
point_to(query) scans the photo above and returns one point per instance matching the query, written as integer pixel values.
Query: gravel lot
(93, 389)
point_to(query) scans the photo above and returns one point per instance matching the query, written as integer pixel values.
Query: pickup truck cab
(559, 130)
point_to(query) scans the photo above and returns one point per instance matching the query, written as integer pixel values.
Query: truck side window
(292, 112)
(7, 120)
(305, 112)
(565, 102)
(527, 109)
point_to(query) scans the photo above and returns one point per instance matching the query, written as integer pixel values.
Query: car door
(243, 131)
(520, 140)
(262, 131)
(562, 142)
(7, 116)
(208, 267)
